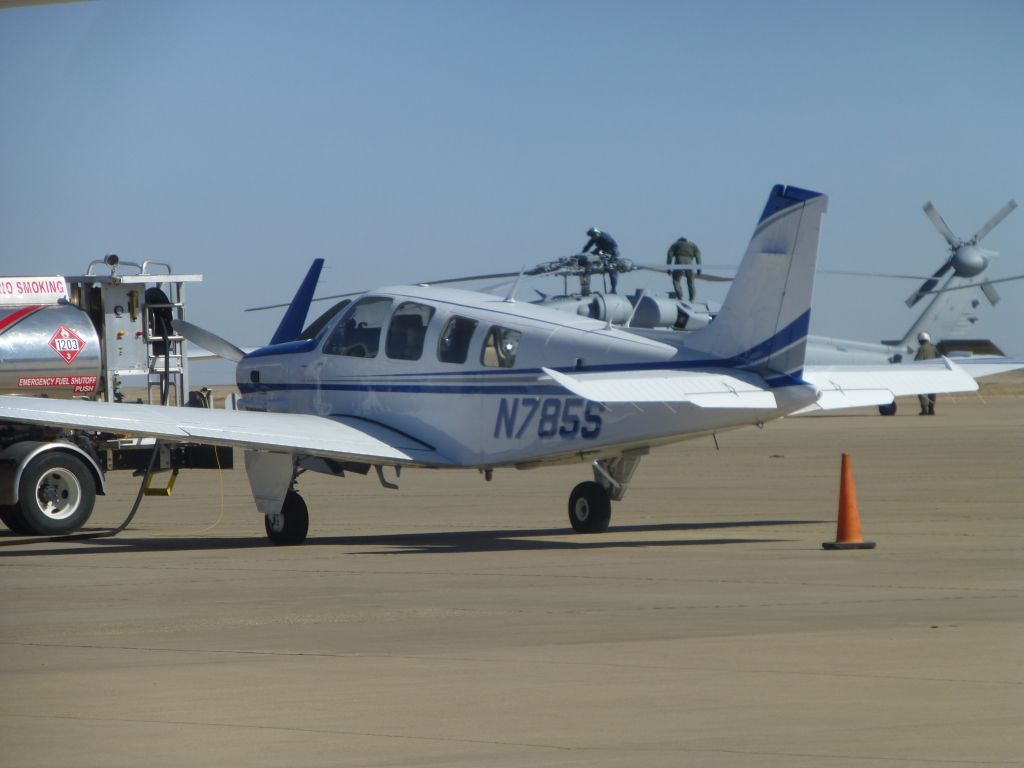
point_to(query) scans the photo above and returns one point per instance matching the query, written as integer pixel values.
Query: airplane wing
(704, 389)
(347, 439)
(857, 386)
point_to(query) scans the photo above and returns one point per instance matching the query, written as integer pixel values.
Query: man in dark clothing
(926, 352)
(682, 251)
(607, 249)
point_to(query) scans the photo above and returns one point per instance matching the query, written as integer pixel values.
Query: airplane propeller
(965, 258)
(208, 340)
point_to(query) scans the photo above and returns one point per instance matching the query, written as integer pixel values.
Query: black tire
(56, 494)
(293, 523)
(888, 410)
(590, 508)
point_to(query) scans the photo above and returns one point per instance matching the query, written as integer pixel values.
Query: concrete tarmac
(461, 623)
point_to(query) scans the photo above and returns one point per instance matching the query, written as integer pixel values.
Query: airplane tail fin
(764, 320)
(295, 316)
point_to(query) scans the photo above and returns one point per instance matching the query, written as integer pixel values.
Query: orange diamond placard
(67, 344)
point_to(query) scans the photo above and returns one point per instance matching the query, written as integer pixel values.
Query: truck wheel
(56, 494)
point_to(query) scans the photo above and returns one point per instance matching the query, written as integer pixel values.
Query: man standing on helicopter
(682, 251)
(607, 250)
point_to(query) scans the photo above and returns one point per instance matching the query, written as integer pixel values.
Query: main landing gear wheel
(291, 524)
(590, 508)
(56, 495)
(889, 409)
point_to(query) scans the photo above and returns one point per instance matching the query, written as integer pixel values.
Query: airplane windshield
(315, 328)
(358, 333)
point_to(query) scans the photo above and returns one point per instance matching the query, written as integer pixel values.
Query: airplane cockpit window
(358, 333)
(500, 347)
(453, 344)
(407, 329)
(315, 328)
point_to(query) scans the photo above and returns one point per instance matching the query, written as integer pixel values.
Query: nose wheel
(290, 525)
(590, 508)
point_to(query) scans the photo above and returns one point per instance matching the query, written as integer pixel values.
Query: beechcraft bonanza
(444, 378)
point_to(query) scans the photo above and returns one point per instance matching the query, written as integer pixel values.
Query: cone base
(848, 544)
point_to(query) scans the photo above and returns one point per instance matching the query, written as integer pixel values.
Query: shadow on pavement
(507, 540)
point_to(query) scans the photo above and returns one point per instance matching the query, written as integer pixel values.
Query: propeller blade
(713, 278)
(990, 293)
(208, 341)
(929, 284)
(1005, 211)
(940, 224)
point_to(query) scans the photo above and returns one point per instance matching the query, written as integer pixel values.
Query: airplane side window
(358, 333)
(453, 344)
(500, 347)
(407, 330)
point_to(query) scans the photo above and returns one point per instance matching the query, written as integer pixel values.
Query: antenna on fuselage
(511, 298)
(636, 306)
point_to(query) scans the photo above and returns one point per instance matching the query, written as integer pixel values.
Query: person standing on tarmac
(607, 249)
(926, 351)
(682, 251)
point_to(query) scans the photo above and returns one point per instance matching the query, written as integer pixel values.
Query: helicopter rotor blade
(1005, 211)
(668, 269)
(873, 274)
(940, 224)
(444, 281)
(977, 285)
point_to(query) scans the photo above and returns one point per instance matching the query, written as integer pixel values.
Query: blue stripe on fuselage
(791, 334)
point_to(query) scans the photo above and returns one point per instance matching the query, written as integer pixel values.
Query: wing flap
(339, 438)
(702, 389)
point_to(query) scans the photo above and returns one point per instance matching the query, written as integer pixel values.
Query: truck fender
(14, 458)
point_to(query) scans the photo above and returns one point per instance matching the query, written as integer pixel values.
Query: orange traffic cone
(848, 530)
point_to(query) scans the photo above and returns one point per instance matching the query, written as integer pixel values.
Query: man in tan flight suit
(926, 352)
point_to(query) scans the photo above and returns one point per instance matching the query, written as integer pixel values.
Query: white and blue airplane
(416, 376)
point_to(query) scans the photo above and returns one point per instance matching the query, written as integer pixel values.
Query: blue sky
(405, 141)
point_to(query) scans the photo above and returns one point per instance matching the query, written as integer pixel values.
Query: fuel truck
(82, 337)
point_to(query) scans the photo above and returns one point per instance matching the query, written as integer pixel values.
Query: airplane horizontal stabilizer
(703, 389)
(851, 387)
(300, 434)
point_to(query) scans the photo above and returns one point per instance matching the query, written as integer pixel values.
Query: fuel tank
(50, 350)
